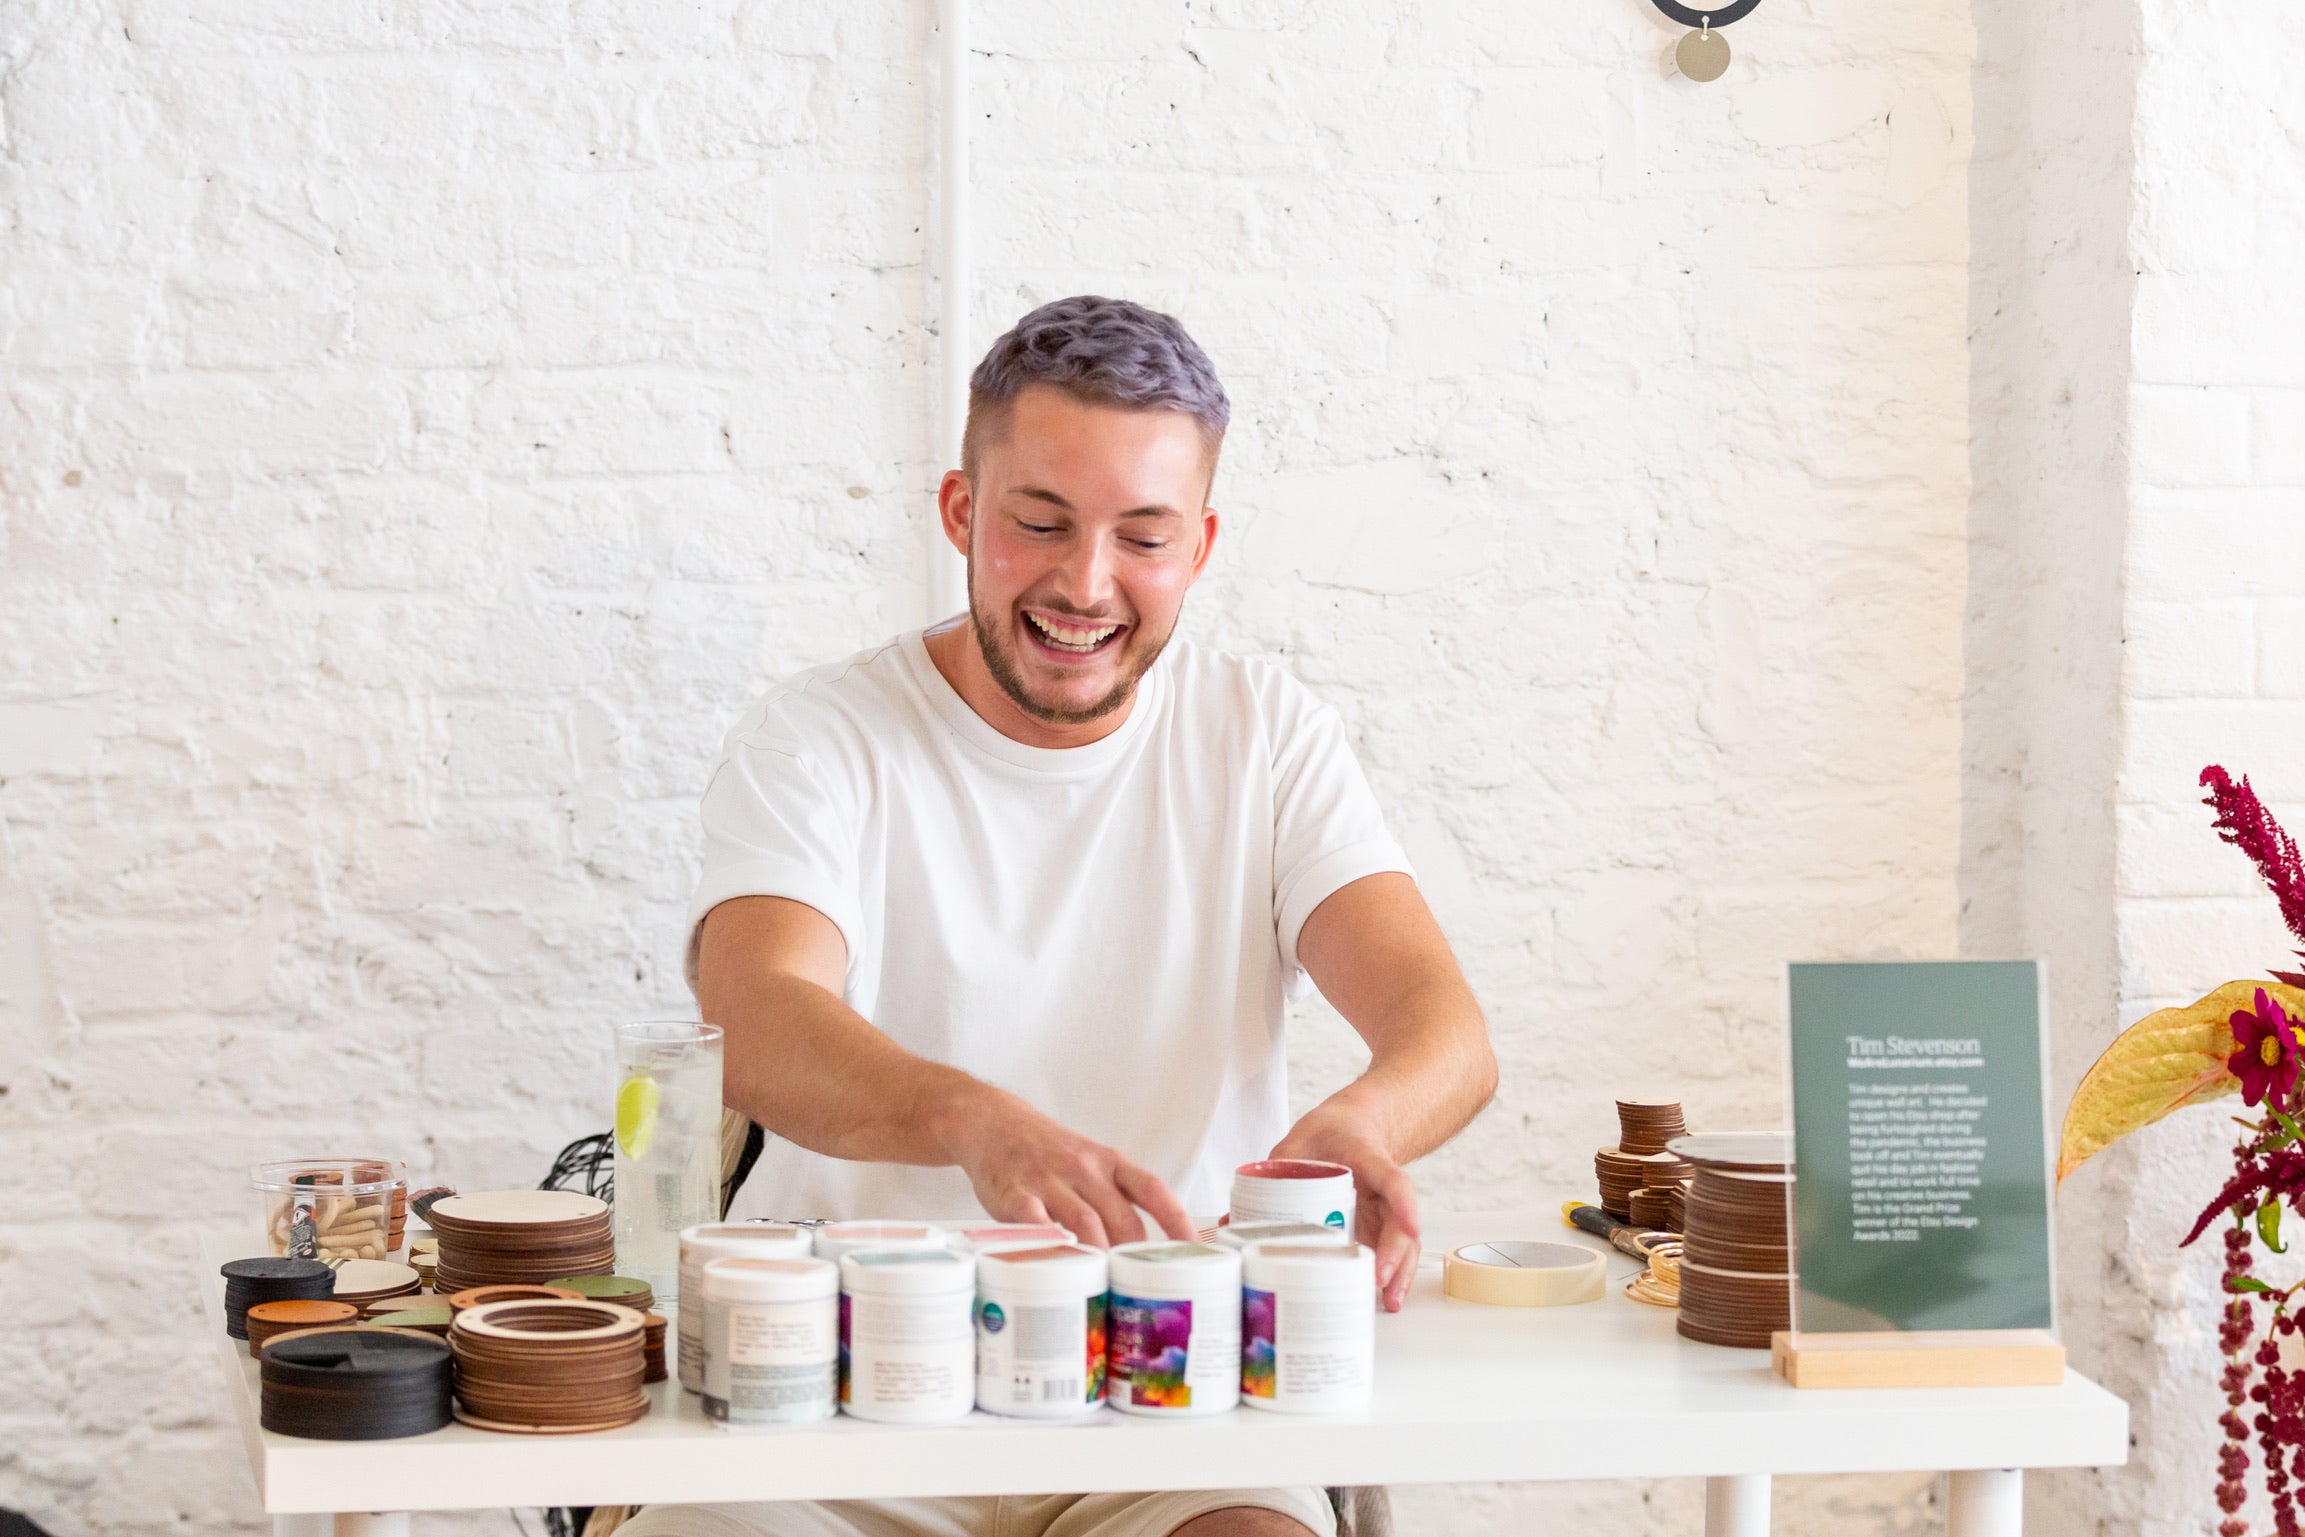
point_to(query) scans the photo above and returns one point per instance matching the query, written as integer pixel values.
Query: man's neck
(958, 659)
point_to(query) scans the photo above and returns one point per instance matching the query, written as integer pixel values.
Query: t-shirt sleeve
(1327, 828)
(780, 820)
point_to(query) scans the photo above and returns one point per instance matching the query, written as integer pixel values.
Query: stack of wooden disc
(270, 1278)
(1646, 1125)
(549, 1368)
(358, 1384)
(269, 1320)
(424, 1255)
(376, 1285)
(623, 1290)
(480, 1296)
(652, 1348)
(1619, 1174)
(1736, 1271)
(520, 1238)
(1640, 1161)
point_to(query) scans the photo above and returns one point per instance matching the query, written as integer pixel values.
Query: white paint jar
(721, 1240)
(1308, 1327)
(907, 1344)
(835, 1239)
(771, 1340)
(1040, 1331)
(1293, 1190)
(992, 1237)
(1239, 1235)
(1175, 1329)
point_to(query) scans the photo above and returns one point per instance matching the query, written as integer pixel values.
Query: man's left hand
(1386, 1219)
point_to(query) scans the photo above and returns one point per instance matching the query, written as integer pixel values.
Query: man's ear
(956, 507)
(1208, 541)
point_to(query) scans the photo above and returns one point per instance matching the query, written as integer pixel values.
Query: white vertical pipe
(1737, 1505)
(947, 579)
(1985, 1502)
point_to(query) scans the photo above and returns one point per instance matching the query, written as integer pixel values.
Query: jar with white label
(907, 1346)
(722, 1240)
(771, 1340)
(1174, 1323)
(1040, 1331)
(1308, 1327)
(835, 1239)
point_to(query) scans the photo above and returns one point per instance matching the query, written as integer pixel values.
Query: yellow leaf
(2161, 1063)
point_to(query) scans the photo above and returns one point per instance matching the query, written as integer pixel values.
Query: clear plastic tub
(329, 1208)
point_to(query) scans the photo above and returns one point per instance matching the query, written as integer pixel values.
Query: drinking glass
(667, 1146)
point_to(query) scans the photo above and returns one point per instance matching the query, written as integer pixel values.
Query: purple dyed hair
(1105, 351)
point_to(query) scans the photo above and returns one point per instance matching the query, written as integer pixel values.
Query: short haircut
(1104, 351)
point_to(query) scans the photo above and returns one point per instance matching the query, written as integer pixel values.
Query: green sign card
(1920, 1148)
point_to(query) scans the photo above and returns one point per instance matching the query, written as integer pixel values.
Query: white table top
(1464, 1393)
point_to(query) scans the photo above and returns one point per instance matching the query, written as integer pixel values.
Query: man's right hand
(1025, 1167)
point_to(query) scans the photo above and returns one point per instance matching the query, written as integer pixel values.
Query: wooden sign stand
(1941, 1358)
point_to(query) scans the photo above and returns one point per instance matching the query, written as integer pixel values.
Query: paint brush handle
(1619, 1235)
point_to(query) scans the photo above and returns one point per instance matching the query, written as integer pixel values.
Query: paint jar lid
(742, 1278)
(1053, 1270)
(1310, 1267)
(1239, 1235)
(837, 1238)
(1159, 1268)
(756, 1240)
(1293, 1168)
(990, 1237)
(906, 1272)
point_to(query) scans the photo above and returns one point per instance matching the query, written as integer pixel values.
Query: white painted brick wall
(2215, 657)
(427, 424)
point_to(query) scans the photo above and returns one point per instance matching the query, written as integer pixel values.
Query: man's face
(1084, 527)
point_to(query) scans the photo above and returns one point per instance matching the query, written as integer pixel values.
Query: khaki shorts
(1015, 1515)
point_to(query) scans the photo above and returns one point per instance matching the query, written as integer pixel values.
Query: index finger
(1153, 1195)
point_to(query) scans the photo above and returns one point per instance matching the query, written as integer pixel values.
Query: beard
(994, 644)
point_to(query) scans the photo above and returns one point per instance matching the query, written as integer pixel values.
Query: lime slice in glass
(636, 1103)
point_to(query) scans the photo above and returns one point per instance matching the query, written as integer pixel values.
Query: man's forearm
(1432, 1075)
(803, 1064)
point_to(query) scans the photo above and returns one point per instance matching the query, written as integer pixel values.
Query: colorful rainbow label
(1151, 1346)
(1257, 1314)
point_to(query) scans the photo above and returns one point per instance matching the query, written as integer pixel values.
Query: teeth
(1067, 638)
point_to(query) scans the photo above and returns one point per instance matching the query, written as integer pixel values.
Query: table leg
(1985, 1502)
(1737, 1506)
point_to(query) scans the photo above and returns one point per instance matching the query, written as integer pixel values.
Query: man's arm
(809, 1068)
(1375, 952)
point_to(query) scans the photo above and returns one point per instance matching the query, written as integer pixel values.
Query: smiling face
(1083, 528)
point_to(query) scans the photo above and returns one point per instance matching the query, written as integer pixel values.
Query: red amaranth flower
(2243, 821)
(2264, 1053)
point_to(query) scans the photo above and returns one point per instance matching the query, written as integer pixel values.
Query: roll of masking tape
(1514, 1273)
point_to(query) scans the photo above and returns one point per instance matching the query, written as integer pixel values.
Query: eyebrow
(1043, 494)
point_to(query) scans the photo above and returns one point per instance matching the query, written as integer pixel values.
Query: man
(1005, 914)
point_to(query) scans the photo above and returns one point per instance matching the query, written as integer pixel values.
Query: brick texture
(427, 424)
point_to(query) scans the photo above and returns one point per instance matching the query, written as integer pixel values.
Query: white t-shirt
(1108, 931)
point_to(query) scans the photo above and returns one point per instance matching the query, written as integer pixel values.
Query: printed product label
(1305, 1347)
(1256, 1343)
(909, 1352)
(779, 1362)
(844, 1347)
(1037, 1354)
(1160, 1357)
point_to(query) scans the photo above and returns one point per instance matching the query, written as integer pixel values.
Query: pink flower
(2264, 1053)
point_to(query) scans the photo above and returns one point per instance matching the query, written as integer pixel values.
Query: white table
(1464, 1394)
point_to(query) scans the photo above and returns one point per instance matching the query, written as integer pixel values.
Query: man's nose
(1085, 580)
